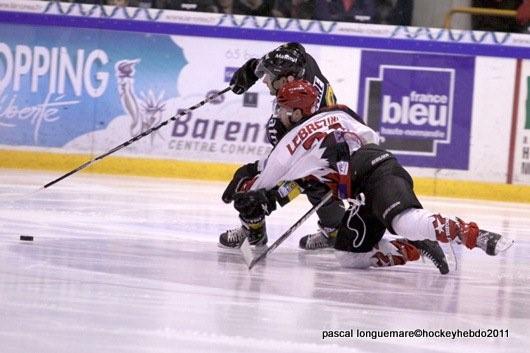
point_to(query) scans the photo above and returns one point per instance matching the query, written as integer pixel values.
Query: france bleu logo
(421, 106)
(412, 119)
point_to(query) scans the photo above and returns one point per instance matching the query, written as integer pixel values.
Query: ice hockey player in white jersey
(335, 149)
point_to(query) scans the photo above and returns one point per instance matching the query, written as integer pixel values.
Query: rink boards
(451, 105)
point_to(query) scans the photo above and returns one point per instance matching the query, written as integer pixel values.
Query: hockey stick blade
(247, 253)
(287, 233)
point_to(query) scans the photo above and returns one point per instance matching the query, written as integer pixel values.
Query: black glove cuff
(250, 67)
(244, 77)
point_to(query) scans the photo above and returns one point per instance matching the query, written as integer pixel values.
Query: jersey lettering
(320, 87)
(308, 129)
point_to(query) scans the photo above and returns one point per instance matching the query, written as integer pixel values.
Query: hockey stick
(245, 246)
(137, 137)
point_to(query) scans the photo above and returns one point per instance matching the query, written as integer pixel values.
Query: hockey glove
(242, 175)
(244, 77)
(255, 203)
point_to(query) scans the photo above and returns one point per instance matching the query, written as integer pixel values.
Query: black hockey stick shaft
(138, 137)
(290, 231)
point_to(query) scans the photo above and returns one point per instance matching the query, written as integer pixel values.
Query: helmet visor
(262, 70)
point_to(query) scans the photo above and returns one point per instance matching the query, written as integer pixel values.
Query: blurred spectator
(523, 12)
(346, 10)
(294, 8)
(121, 3)
(255, 7)
(187, 5)
(394, 12)
(498, 24)
(227, 7)
(146, 4)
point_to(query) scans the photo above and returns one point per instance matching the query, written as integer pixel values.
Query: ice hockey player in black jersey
(285, 63)
(331, 147)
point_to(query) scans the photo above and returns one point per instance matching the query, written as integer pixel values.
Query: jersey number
(317, 136)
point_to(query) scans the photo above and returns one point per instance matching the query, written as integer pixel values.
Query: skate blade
(219, 245)
(503, 244)
(450, 256)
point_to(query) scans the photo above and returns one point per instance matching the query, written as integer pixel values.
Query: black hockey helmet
(287, 59)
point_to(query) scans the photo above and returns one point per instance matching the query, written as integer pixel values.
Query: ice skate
(470, 235)
(394, 253)
(324, 238)
(432, 250)
(255, 231)
(493, 243)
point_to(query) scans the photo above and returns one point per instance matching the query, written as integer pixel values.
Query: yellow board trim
(116, 165)
(223, 172)
(472, 190)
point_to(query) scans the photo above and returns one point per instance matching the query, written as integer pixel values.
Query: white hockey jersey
(301, 152)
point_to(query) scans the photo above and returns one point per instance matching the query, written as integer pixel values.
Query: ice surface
(132, 265)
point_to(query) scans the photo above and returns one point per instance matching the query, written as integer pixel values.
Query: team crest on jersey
(420, 105)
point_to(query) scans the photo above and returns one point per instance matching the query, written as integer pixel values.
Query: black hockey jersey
(326, 96)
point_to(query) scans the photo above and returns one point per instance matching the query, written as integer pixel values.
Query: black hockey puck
(26, 238)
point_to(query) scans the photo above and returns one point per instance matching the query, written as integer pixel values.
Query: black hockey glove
(255, 203)
(244, 173)
(244, 77)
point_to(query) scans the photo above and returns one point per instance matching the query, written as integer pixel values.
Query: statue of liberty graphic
(145, 110)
